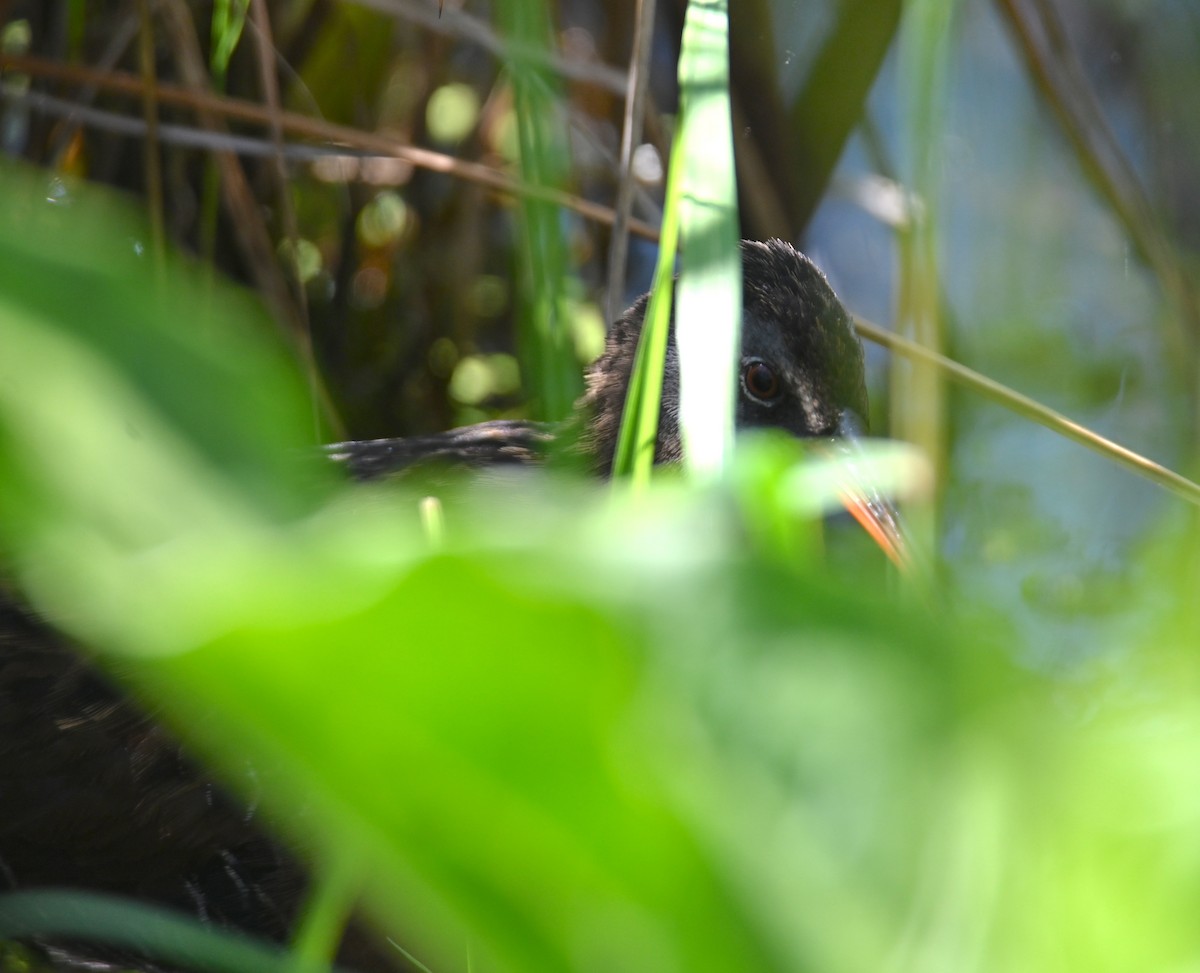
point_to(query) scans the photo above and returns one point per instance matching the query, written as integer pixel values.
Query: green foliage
(228, 20)
(74, 276)
(586, 729)
(562, 726)
(546, 339)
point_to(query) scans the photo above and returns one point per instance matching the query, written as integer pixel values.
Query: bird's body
(99, 796)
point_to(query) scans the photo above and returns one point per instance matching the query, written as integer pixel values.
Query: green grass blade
(708, 315)
(639, 421)
(918, 390)
(331, 897)
(701, 209)
(554, 377)
(76, 26)
(228, 21)
(155, 932)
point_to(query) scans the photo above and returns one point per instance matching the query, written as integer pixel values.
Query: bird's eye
(760, 381)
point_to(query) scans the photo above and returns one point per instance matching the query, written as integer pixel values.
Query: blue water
(1045, 294)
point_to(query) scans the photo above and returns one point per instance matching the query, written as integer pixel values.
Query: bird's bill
(879, 518)
(862, 499)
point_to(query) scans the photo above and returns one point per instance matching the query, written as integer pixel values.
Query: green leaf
(92, 342)
(228, 20)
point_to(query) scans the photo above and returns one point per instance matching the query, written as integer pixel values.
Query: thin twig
(631, 133)
(249, 228)
(260, 20)
(245, 216)
(464, 26)
(119, 39)
(154, 185)
(458, 23)
(1029, 409)
(1082, 101)
(182, 136)
(302, 126)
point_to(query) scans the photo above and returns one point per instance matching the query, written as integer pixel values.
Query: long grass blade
(155, 932)
(708, 315)
(1029, 408)
(639, 421)
(918, 397)
(332, 896)
(554, 377)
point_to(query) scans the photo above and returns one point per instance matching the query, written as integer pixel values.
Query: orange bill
(862, 499)
(879, 518)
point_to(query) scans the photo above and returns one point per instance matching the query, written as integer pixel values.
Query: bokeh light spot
(477, 377)
(443, 356)
(487, 296)
(383, 220)
(451, 113)
(304, 256)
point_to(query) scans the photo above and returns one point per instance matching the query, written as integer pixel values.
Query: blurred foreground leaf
(589, 730)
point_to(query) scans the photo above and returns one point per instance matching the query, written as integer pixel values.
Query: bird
(100, 796)
(800, 370)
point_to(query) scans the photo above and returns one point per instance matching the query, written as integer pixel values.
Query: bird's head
(800, 370)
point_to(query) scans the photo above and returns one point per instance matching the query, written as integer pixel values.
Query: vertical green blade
(701, 209)
(708, 316)
(639, 421)
(553, 374)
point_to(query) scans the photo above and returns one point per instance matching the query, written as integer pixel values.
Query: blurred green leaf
(91, 341)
